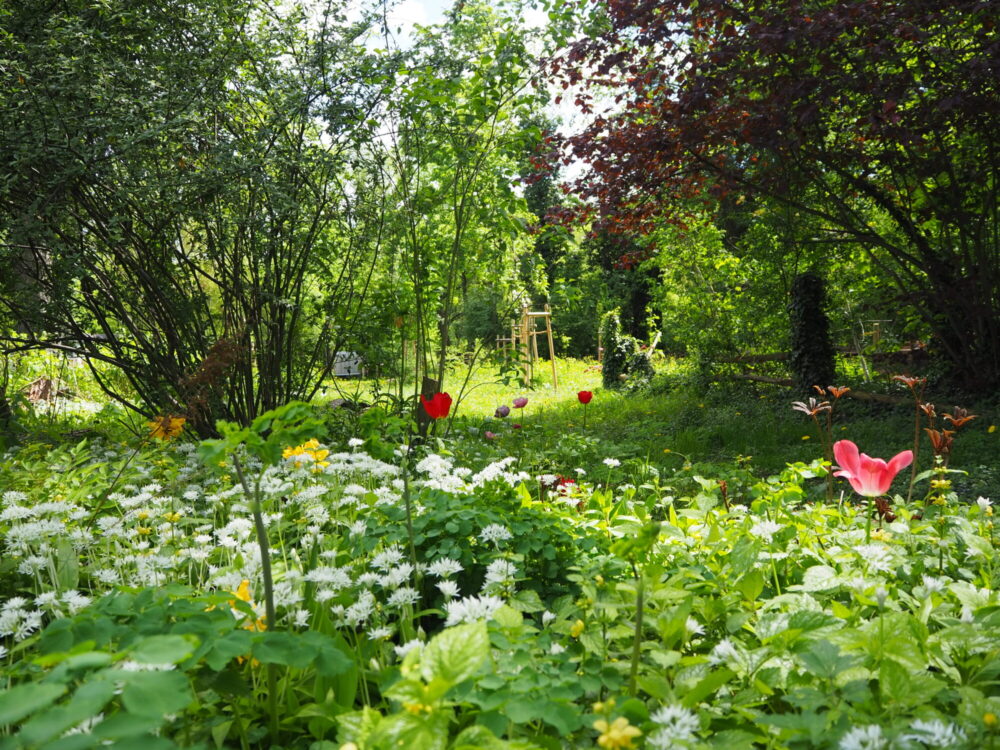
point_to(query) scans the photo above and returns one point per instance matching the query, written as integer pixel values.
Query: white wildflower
(495, 533)
(403, 596)
(935, 733)
(444, 567)
(403, 650)
(676, 727)
(864, 738)
(765, 530)
(449, 589)
(471, 609)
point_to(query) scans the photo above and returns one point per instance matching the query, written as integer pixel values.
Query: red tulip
(585, 396)
(870, 477)
(520, 402)
(438, 406)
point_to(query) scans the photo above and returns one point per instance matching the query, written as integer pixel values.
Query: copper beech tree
(877, 121)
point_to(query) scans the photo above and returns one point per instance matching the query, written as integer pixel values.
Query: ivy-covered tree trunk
(813, 358)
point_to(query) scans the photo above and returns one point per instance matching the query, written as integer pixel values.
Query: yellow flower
(172, 517)
(576, 629)
(992, 428)
(602, 707)
(990, 720)
(805, 437)
(940, 484)
(417, 708)
(143, 531)
(618, 734)
(243, 594)
(881, 535)
(166, 427)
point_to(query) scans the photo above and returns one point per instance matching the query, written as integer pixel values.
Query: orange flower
(960, 417)
(940, 440)
(909, 381)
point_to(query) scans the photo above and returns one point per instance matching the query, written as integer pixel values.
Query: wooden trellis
(523, 339)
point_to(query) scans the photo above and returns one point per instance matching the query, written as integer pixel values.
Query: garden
(340, 410)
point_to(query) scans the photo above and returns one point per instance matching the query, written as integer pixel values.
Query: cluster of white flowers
(495, 533)
(444, 567)
(471, 609)
(935, 733)
(765, 530)
(500, 575)
(676, 728)
(868, 737)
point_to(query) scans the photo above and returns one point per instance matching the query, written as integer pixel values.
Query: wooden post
(524, 346)
(552, 348)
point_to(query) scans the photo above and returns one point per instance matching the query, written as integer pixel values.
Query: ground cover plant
(538, 583)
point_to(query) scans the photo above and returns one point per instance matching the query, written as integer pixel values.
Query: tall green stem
(868, 521)
(637, 641)
(265, 566)
(916, 450)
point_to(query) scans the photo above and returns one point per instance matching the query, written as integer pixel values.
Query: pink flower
(870, 477)
(520, 402)
(489, 435)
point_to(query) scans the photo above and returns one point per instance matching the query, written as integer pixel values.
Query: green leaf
(85, 703)
(706, 686)
(408, 731)
(751, 585)
(330, 661)
(163, 649)
(225, 649)
(156, 693)
(283, 648)
(527, 601)
(819, 578)
(897, 684)
(67, 565)
(825, 661)
(455, 654)
(24, 700)
(564, 717)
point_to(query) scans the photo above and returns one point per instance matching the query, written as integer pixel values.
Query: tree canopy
(876, 121)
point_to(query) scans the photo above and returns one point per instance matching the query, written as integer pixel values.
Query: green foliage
(180, 220)
(812, 356)
(165, 666)
(624, 361)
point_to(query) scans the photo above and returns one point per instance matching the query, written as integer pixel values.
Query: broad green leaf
(824, 660)
(329, 660)
(23, 700)
(163, 649)
(156, 693)
(85, 703)
(283, 648)
(707, 686)
(455, 654)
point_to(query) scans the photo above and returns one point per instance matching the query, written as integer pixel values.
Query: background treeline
(206, 201)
